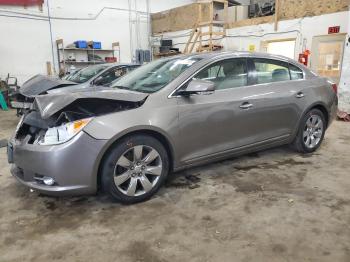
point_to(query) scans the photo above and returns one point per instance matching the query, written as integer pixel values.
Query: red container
(110, 59)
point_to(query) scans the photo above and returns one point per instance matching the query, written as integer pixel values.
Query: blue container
(80, 44)
(96, 45)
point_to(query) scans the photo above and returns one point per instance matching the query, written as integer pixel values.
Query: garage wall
(25, 44)
(344, 85)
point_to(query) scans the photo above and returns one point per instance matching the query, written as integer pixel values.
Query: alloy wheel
(138, 170)
(313, 131)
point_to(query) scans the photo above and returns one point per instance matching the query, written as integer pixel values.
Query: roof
(211, 55)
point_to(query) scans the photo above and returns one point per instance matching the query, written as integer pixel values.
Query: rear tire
(311, 132)
(134, 169)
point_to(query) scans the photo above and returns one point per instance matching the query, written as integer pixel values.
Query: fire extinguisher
(304, 57)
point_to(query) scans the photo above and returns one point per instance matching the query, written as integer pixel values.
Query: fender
(136, 129)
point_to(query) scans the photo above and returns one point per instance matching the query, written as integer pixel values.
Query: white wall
(25, 46)
(344, 85)
(162, 5)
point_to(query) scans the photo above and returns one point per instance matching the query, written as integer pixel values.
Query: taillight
(335, 88)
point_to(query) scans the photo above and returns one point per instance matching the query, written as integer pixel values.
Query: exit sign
(333, 30)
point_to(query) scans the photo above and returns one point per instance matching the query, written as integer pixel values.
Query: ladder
(197, 34)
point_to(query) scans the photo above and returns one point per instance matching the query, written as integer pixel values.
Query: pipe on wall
(51, 37)
(73, 18)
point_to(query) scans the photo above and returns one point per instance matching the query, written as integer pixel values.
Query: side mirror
(198, 86)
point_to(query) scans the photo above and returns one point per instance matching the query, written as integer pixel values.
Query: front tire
(134, 169)
(311, 132)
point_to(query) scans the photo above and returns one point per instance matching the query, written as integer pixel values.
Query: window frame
(255, 75)
(254, 72)
(175, 94)
(291, 64)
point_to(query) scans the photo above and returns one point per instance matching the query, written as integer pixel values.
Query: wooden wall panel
(180, 18)
(291, 9)
(185, 17)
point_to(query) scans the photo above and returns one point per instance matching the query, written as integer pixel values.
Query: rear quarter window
(269, 70)
(295, 72)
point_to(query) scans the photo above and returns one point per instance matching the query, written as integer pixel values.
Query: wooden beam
(200, 18)
(190, 40)
(48, 68)
(194, 42)
(277, 5)
(226, 14)
(211, 16)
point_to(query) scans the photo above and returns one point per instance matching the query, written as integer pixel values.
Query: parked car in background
(168, 115)
(71, 74)
(95, 75)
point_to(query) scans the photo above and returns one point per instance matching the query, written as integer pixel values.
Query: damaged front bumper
(72, 165)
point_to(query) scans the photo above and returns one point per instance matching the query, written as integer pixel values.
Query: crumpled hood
(39, 84)
(52, 103)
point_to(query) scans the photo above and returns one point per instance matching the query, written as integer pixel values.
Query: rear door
(278, 98)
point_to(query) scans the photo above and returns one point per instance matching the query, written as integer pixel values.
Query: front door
(327, 55)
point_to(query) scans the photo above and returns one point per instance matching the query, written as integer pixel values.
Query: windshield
(87, 73)
(155, 75)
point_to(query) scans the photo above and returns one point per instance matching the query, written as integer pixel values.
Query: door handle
(246, 105)
(299, 95)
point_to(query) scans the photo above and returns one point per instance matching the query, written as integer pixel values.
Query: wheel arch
(157, 134)
(318, 105)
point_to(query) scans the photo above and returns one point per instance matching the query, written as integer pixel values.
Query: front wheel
(135, 169)
(311, 132)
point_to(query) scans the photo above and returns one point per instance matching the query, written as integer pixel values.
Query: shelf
(86, 49)
(82, 55)
(83, 62)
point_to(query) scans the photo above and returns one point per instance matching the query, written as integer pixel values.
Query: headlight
(63, 133)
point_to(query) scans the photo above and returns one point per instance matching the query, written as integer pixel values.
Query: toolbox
(80, 44)
(94, 45)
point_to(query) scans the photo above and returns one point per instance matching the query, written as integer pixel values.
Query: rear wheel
(135, 169)
(311, 132)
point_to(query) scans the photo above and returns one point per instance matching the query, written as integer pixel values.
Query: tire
(302, 142)
(126, 173)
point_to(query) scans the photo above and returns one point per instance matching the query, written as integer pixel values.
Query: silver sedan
(166, 116)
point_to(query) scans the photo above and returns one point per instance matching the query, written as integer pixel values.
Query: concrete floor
(275, 205)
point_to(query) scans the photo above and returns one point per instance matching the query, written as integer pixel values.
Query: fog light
(49, 181)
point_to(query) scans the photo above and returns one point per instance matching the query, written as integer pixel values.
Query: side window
(226, 74)
(110, 75)
(268, 71)
(295, 72)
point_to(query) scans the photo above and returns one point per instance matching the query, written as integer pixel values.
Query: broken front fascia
(55, 119)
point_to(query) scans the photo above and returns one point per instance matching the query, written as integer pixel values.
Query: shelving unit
(82, 55)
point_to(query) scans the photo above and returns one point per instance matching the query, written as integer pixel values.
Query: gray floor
(275, 205)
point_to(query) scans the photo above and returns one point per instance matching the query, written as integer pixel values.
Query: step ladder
(197, 34)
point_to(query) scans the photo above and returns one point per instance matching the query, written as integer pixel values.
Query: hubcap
(138, 170)
(313, 131)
